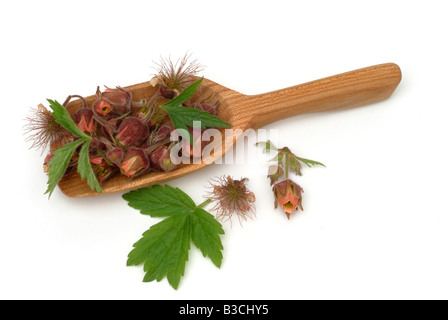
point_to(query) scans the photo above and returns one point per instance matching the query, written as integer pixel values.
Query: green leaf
(85, 168)
(160, 201)
(310, 163)
(182, 128)
(62, 117)
(292, 163)
(205, 235)
(287, 160)
(187, 116)
(163, 249)
(184, 95)
(184, 117)
(58, 164)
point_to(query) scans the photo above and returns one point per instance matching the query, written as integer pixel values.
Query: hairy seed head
(232, 197)
(173, 78)
(43, 130)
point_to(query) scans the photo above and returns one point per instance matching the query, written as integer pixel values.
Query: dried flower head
(173, 78)
(160, 159)
(210, 108)
(132, 132)
(232, 197)
(134, 163)
(43, 130)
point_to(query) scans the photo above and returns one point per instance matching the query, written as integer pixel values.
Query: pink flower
(103, 108)
(289, 195)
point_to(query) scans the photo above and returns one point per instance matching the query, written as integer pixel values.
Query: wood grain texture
(343, 91)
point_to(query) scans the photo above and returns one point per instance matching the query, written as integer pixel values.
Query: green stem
(204, 204)
(286, 165)
(104, 157)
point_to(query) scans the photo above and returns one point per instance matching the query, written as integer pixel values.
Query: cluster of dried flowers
(287, 193)
(128, 137)
(133, 137)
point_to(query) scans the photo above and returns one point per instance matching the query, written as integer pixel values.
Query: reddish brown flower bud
(210, 108)
(162, 133)
(166, 164)
(134, 162)
(112, 102)
(161, 160)
(84, 120)
(115, 156)
(167, 93)
(97, 144)
(156, 156)
(132, 132)
(120, 99)
(289, 195)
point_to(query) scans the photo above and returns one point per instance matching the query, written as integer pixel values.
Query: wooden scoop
(343, 91)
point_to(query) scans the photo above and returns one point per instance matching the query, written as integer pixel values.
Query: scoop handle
(343, 91)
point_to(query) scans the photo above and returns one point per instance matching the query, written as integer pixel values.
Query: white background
(375, 221)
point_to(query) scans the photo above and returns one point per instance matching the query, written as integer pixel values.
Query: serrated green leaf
(85, 168)
(62, 117)
(292, 163)
(310, 163)
(287, 160)
(205, 235)
(58, 164)
(184, 95)
(184, 117)
(160, 201)
(189, 115)
(181, 128)
(163, 249)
